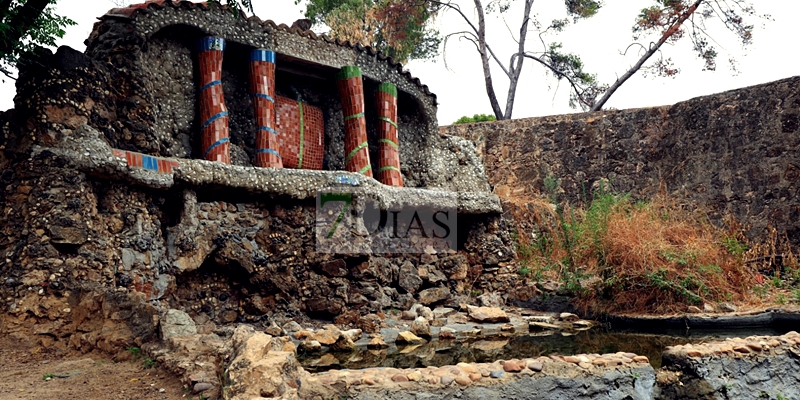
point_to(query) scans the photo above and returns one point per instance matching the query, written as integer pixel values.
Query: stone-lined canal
(596, 340)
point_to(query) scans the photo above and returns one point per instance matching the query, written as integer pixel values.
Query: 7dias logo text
(354, 221)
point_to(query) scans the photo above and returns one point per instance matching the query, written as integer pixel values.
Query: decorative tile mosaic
(351, 92)
(389, 143)
(301, 133)
(139, 160)
(347, 180)
(262, 87)
(215, 136)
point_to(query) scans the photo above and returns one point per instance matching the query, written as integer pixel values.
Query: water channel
(598, 340)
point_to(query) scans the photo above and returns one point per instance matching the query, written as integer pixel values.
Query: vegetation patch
(620, 255)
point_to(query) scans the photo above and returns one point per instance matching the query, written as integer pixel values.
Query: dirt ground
(27, 373)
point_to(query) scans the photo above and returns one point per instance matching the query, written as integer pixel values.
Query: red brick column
(301, 133)
(389, 171)
(215, 137)
(351, 91)
(262, 86)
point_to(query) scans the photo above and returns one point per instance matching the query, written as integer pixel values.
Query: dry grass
(620, 256)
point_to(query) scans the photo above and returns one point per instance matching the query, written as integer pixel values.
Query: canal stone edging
(775, 318)
(757, 367)
(257, 365)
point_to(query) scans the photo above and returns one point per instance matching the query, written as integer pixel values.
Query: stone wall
(731, 154)
(152, 50)
(738, 368)
(103, 192)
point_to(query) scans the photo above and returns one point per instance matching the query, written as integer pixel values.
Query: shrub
(475, 118)
(650, 256)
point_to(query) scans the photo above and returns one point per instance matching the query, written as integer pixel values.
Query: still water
(596, 340)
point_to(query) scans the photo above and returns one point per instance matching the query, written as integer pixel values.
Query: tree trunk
(487, 73)
(20, 22)
(653, 49)
(516, 63)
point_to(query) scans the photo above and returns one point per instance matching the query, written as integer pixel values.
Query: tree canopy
(24, 25)
(669, 21)
(401, 29)
(666, 21)
(475, 118)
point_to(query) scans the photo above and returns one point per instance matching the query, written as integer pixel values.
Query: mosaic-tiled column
(262, 86)
(215, 136)
(388, 146)
(351, 92)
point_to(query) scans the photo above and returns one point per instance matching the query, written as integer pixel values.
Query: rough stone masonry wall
(735, 153)
(94, 249)
(152, 50)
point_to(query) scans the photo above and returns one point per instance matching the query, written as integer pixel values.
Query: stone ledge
(759, 318)
(86, 151)
(583, 376)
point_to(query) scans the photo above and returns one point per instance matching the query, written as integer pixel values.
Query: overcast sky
(599, 41)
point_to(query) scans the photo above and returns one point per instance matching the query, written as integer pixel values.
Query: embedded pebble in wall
(428, 159)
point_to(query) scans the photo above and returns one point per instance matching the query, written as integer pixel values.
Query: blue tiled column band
(262, 87)
(211, 43)
(263, 55)
(214, 129)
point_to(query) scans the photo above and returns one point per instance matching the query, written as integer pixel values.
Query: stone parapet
(732, 154)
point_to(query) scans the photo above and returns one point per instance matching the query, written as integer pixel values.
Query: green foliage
(734, 246)
(638, 255)
(582, 8)
(18, 38)
(236, 5)
(664, 19)
(401, 29)
(148, 363)
(135, 351)
(683, 288)
(48, 376)
(570, 66)
(761, 290)
(595, 222)
(475, 118)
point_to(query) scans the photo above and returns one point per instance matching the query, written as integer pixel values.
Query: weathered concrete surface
(734, 153)
(610, 376)
(635, 383)
(737, 368)
(785, 317)
(761, 367)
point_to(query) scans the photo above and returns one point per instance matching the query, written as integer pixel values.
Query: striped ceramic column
(262, 85)
(351, 91)
(388, 146)
(215, 137)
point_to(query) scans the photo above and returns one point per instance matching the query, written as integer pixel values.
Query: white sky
(599, 41)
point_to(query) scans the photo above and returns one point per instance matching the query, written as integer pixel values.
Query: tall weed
(650, 256)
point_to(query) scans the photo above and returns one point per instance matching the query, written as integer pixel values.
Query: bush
(639, 256)
(475, 118)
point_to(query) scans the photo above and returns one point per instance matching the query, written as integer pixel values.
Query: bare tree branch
(673, 28)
